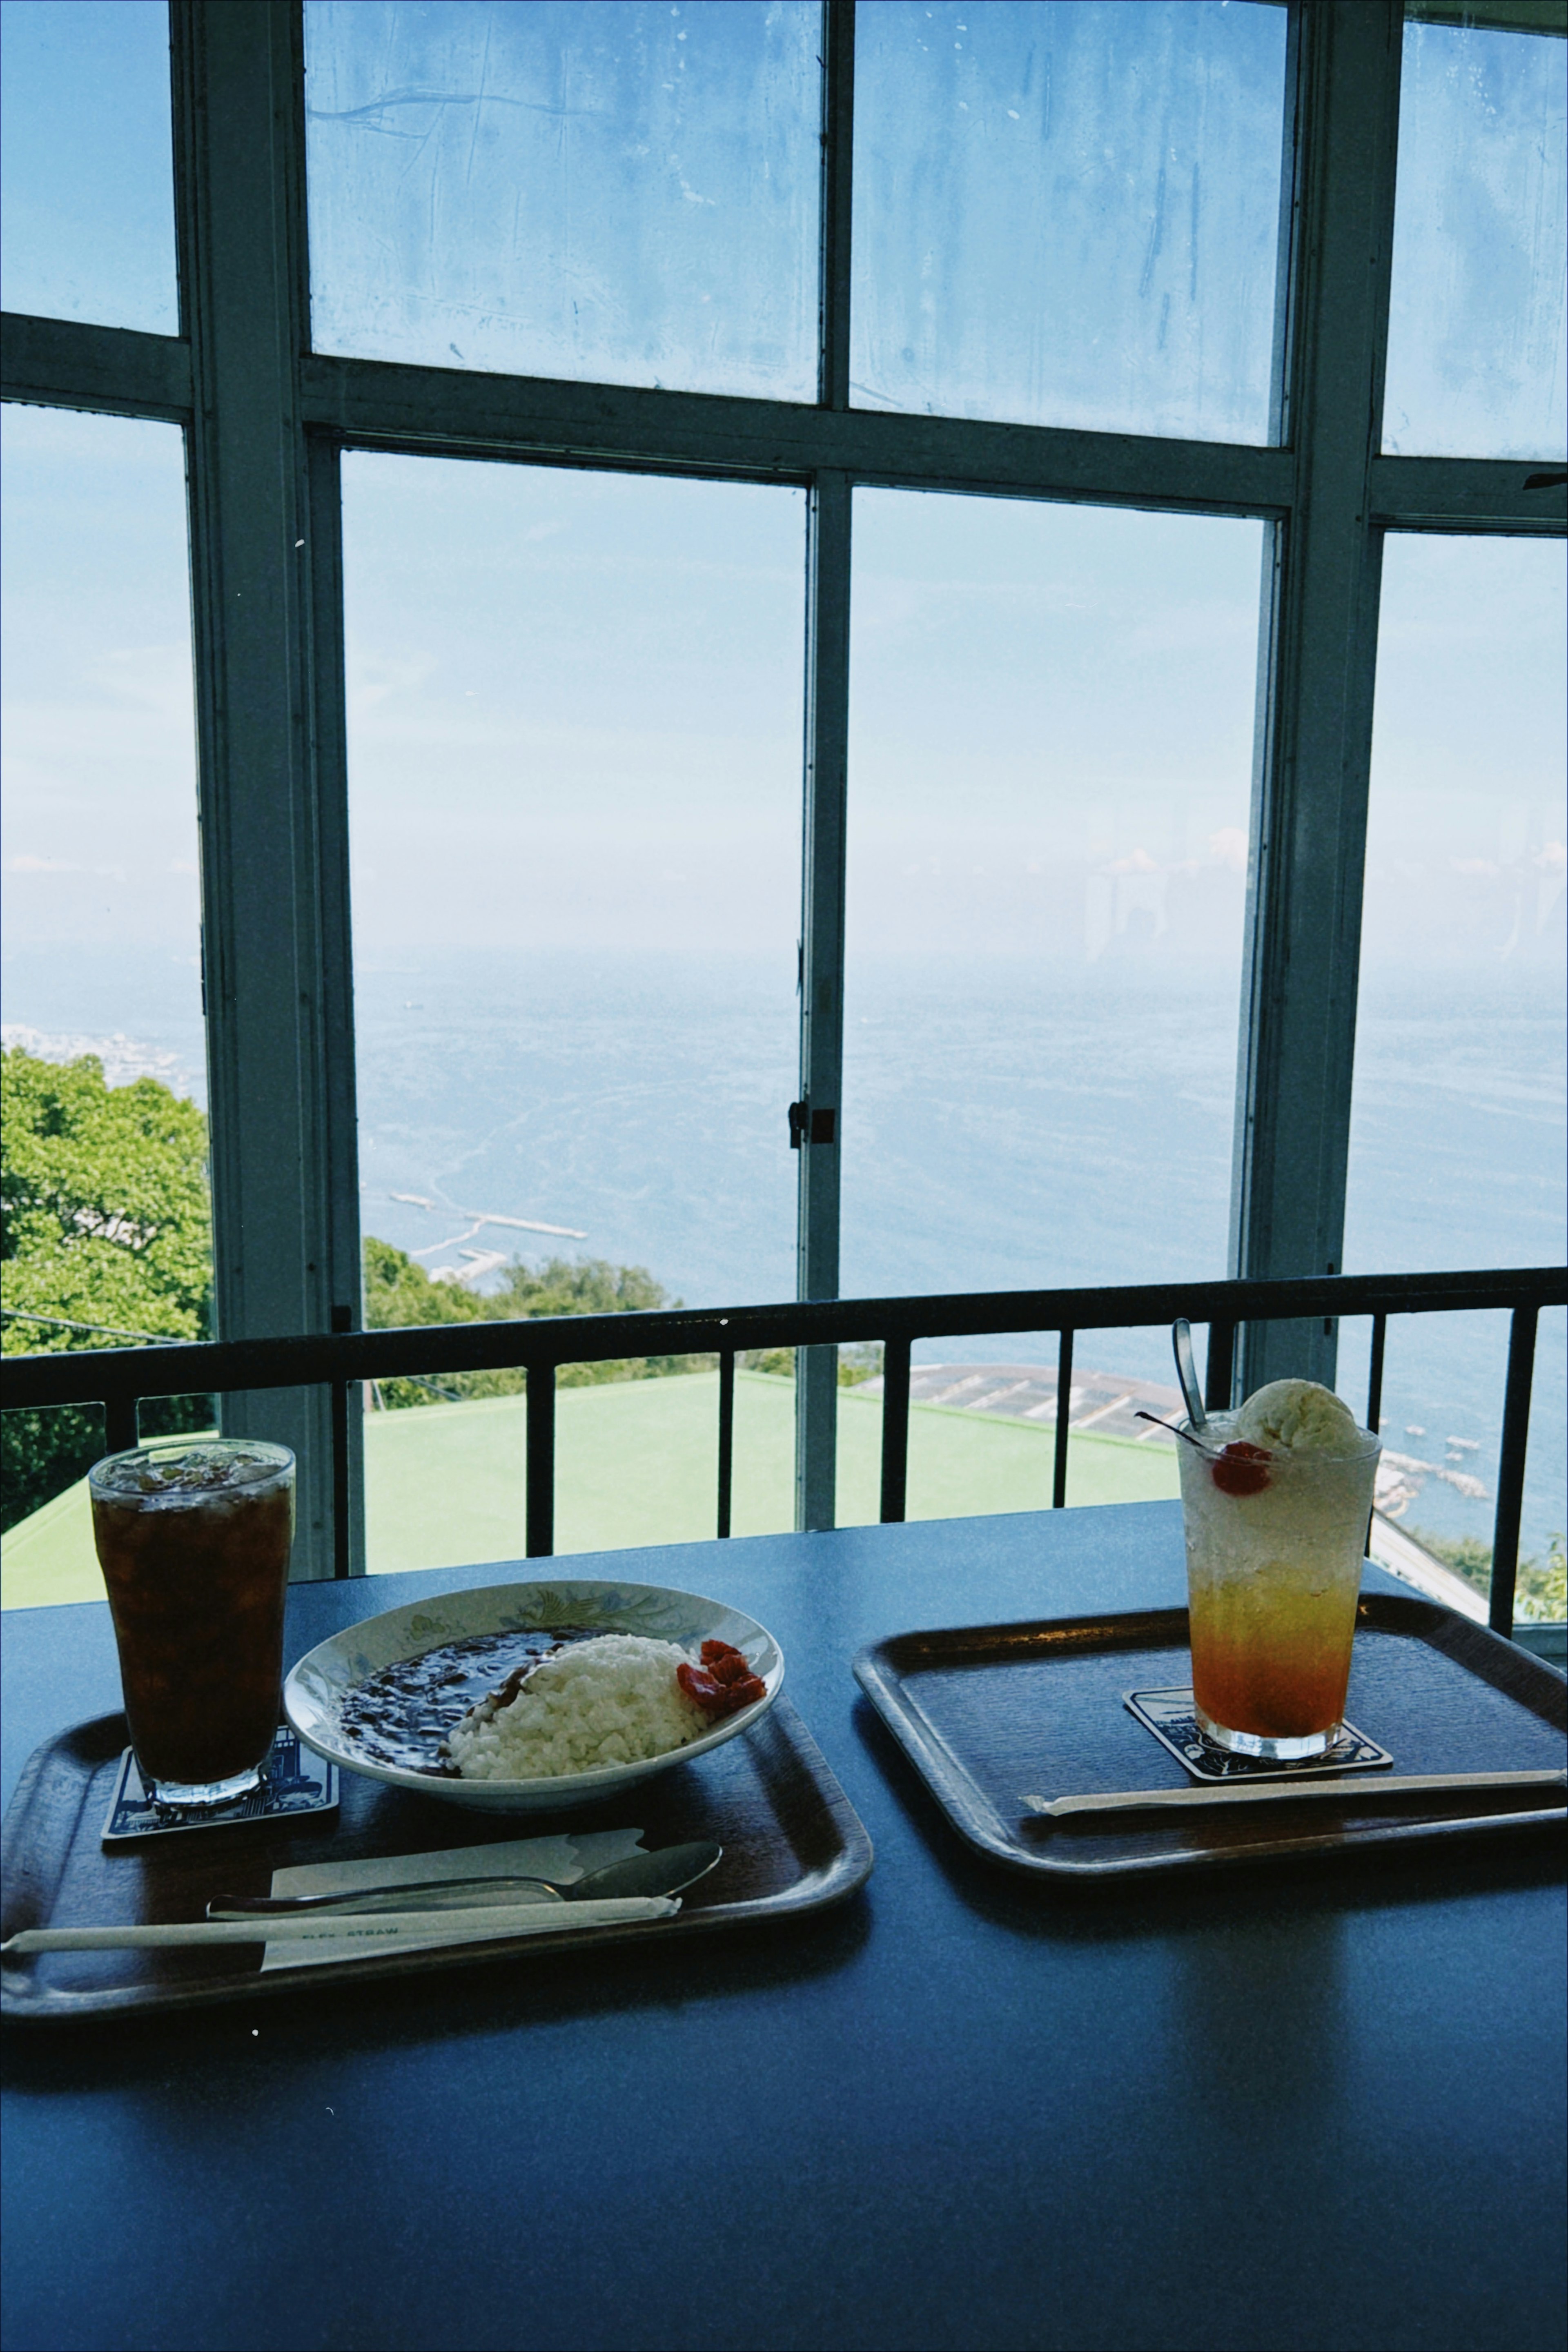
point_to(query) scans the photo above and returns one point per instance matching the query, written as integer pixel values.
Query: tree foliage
(399, 1293)
(1541, 1588)
(106, 1223)
(105, 1214)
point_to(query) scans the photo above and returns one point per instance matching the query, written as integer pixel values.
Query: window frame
(265, 420)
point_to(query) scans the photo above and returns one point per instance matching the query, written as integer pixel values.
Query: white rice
(613, 1700)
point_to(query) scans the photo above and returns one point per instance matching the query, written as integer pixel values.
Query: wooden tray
(792, 1843)
(990, 1713)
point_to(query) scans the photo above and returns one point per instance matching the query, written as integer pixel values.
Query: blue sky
(548, 660)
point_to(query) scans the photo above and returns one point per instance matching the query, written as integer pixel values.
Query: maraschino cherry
(1240, 1467)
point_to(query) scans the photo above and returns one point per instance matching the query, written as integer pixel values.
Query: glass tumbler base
(1270, 1751)
(200, 1796)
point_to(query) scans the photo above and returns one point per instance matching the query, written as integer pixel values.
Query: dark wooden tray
(989, 1714)
(792, 1843)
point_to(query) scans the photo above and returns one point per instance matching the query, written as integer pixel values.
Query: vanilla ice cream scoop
(1298, 1417)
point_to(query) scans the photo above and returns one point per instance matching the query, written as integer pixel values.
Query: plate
(315, 1690)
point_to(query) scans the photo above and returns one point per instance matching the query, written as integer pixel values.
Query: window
(1458, 1154)
(575, 1012)
(1476, 341)
(1069, 215)
(1050, 756)
(959, 292)
(86, 169)
(100, 967)
(626, 192)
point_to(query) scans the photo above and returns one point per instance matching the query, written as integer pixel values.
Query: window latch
(808, 1126)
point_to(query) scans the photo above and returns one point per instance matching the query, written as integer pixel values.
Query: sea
(1005, 1122)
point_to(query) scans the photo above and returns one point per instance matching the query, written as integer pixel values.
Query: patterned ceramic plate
(315, 1692)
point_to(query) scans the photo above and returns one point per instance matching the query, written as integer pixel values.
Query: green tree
(1541, 1586)
(398, 1293)
(105, 1239)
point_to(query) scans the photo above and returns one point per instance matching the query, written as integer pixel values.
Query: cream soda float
(1276, 1500)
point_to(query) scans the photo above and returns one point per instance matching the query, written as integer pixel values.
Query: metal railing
(118, 1379)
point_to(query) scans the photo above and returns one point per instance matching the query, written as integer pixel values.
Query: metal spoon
(1184, 1434)
(1187, 1371)
(665, 1872)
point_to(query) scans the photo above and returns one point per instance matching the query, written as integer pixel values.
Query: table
(1317, 2109)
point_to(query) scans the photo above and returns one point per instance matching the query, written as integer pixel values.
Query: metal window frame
(266, 419)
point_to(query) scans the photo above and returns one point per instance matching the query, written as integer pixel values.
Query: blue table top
(1316, 2108)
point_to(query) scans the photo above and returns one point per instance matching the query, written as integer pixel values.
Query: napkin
(563, 1858)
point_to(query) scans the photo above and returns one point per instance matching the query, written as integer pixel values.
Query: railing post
(540, 1517)
(895, 1427)
(1064, 1407)
(1375, 1373)
(1511, 1470)
(120, 1433)
(342, 1565)
(726, 1437)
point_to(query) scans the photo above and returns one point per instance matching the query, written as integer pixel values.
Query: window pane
(105, 1183)
(620, 192)
(1050, 748)
(1458, 1143)
(575, 913)
(1069, 213)
(86, 175)
(1476, 332)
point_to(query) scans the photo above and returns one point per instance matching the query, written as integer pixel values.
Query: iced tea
(194, 1543)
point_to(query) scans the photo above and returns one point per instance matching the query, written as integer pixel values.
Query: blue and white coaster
(1169, 1714)
(294, 1780)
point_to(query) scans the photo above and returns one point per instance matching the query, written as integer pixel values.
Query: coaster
(1168, 1714)
(294, 1781)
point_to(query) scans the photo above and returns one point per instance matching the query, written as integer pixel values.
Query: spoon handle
(423, 1895)
(1187, 1370)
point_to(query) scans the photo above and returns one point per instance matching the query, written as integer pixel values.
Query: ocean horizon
(1006, 1122)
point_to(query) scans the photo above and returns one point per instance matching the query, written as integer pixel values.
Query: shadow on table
(1177, 1902)
(475, 2000)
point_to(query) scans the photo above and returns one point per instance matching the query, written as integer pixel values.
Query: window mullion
(238, 132)
(1316, 690)
(335, 1107)
(822, 859)
(822, 981)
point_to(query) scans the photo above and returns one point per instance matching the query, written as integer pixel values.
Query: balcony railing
(118, 1379)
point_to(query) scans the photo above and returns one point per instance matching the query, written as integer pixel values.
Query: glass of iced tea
(192, 1538)
(1276, 1502)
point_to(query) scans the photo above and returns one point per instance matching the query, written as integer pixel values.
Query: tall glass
(1275, 1547)
(193, 1542)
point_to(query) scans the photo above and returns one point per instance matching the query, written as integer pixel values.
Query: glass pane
(591, 188)
(575, 913)
(1050, 750)
(1068, 213)
(1457, 1142)
(1476, 343)
(85, 171)
(108, 1222)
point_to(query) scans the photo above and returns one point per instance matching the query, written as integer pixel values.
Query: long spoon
(1184, 1434)
(663, 1871)
(1187, 1371)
